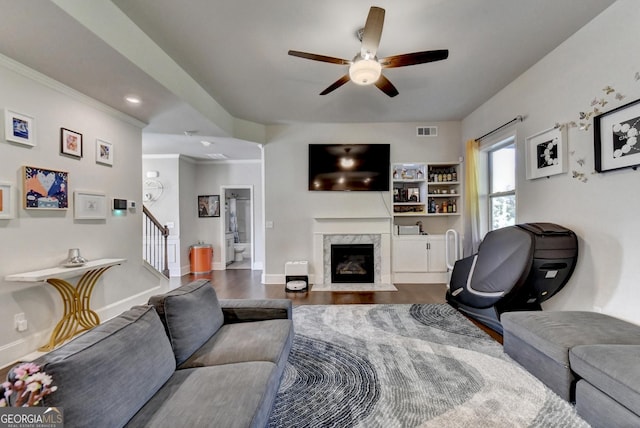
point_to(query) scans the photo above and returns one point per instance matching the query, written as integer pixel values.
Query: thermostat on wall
(119, 204)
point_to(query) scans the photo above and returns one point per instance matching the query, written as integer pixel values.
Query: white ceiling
(233, 54)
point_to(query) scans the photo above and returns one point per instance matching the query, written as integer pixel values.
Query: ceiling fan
(365, 68)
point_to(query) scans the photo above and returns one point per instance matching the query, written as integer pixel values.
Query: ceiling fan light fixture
(365, 71)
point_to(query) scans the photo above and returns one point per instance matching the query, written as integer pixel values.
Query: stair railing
(154, 247)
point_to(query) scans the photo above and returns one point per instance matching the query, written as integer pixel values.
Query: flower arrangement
(26, 386)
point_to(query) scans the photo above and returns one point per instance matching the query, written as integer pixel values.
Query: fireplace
(352, 263)
(328, 231)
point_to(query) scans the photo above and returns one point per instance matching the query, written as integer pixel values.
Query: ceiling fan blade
(414, 58)
(386, 86)
(372, 32)
(335, 85)
(322, 58)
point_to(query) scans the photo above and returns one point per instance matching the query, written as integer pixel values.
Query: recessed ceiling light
(206, 143)
(133, 99)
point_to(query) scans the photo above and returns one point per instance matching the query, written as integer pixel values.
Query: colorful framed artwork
(546, 153)
(616, 138)
(6, 201)
(19, 128)
(70, 143)
(89, 205)
(209, 206)
(45, 189)
(104, 152)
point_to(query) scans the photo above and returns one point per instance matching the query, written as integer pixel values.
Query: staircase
(154, 243)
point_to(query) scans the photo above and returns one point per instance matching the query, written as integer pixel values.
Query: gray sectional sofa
(185, 359)
(588, 358)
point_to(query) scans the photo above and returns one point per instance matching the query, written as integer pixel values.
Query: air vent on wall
(427, 131)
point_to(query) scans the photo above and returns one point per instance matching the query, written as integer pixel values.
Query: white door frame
(223, 222)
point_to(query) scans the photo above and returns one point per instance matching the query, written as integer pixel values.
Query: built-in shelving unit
(426, 203)
(426, 189)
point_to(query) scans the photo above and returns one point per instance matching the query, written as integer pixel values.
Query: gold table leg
(78, 315)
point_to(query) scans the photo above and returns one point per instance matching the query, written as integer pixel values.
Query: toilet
(238, 249)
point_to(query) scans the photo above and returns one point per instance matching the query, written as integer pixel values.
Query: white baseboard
(25, 349)
(272, 278)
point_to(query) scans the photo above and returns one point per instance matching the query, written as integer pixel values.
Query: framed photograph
(19, 128)
(209, 206)
(89, 205)
(70, 143)
(6, 200)
(546, 153)
(616, 138)
(44, 189)
(104, 152)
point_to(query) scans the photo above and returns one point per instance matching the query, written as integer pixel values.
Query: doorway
(238, 226)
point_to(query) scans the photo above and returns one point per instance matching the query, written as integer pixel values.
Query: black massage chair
(515, 269)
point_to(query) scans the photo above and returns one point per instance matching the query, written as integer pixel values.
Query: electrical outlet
(20, 321)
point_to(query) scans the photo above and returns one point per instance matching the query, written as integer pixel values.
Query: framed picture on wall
(45, 189)
(546, 153)
(19, 128)
(89, 205)
(616, 138)
(6, 200)
(104, 152)
(70, 143)
(209, 206)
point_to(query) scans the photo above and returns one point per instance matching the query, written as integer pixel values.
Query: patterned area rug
(406, 366)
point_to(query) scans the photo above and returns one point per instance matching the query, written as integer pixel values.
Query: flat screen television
(349, 167)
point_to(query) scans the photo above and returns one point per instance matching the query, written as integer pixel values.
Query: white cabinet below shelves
(419, 259)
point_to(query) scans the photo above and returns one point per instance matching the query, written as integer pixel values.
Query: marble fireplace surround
(351, 230)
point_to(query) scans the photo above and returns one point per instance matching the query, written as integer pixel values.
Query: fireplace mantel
(351, 225)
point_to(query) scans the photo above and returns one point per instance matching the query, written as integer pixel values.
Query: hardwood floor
(245, 284)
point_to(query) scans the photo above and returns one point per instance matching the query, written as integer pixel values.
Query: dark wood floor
(246, 284)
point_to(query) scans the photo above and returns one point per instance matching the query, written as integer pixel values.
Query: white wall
(37, 240)
(291, 206)
(603, 211)
(188, 204)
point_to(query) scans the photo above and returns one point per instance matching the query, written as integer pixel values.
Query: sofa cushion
(554, 333)
(191, 314)
(232, 395)
(249, 341)
(613, 369)
(242, 310)
(105, 375)
(600, 410)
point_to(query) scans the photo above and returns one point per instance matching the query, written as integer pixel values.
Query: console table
(78, 315)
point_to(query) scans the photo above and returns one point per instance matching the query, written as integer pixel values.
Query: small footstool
(540, 341)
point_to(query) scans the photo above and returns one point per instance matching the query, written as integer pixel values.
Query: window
(502, 185)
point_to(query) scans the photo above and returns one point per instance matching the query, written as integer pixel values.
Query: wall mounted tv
(349, 167)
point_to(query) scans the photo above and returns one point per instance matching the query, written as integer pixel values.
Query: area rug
(354, 288)
(406, 366)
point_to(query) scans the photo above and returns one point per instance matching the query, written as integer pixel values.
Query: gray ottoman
(608, 392)
(540, 341)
